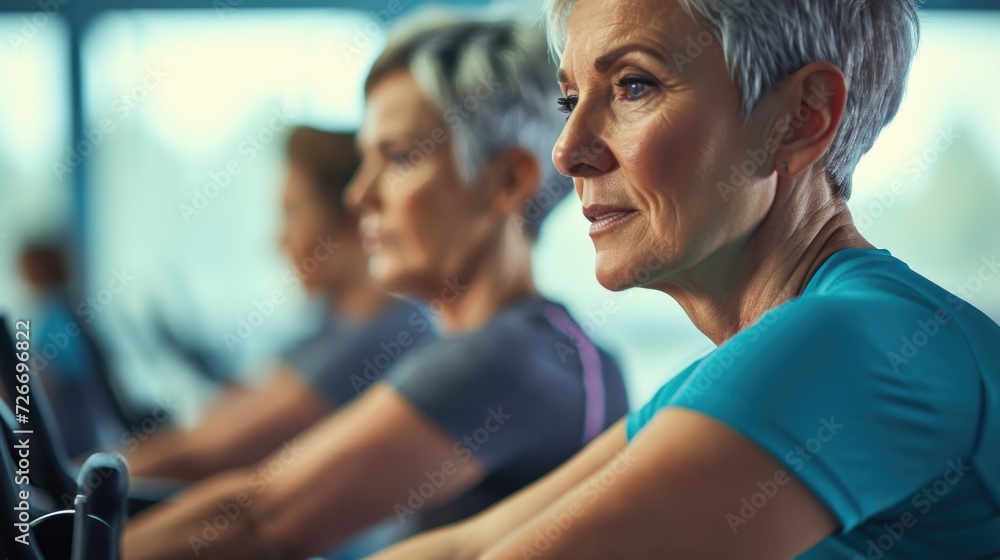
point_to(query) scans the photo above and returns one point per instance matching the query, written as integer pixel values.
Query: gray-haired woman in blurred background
(328, 369)
(454, 181)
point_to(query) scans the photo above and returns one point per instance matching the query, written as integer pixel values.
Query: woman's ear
(812, 107)
(514, 176)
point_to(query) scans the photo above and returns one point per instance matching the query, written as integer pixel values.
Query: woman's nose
(579, 152)
(360, 192)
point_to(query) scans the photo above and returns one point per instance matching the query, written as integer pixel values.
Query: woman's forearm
(446, 543)
(165, 455)
(211, 520)
(470, 539)
(241, 429)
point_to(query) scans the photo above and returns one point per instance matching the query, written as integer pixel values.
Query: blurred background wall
(150, 135)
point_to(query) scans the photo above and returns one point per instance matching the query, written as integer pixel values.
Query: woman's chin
(385, 273)
(613, 279)
(617, 273)
(612, 270)
(397, 279)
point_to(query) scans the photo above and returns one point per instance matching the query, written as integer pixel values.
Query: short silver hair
(494, 83)
(872, 42)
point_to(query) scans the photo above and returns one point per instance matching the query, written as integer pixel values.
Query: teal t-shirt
(880, 391)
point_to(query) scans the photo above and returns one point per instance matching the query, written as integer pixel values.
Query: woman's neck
(359, 300)
(732, 289)
(467, 301)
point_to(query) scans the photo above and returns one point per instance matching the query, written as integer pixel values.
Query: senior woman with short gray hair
(454, 181)
(852, 407)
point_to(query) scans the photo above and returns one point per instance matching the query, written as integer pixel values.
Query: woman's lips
(371, 240)
(606, 218)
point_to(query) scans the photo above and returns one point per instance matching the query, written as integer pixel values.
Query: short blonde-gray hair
(495, 86)
(872, 42)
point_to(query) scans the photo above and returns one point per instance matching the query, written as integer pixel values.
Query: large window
(34, 109)
(189, 112)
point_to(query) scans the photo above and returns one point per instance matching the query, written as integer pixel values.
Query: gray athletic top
(521, 394)
(343, 359)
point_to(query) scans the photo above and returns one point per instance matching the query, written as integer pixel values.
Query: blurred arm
(243, 427)
(469, 539)
(340, 477)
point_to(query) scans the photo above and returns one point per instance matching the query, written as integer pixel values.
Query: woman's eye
(399, 158)
(634, 88)
(568, 103)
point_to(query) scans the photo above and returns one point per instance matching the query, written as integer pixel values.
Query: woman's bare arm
(469, 539)
(243, 427)
(343, 475)
(680, 496)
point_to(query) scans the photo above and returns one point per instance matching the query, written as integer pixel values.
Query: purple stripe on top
(593, 380)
